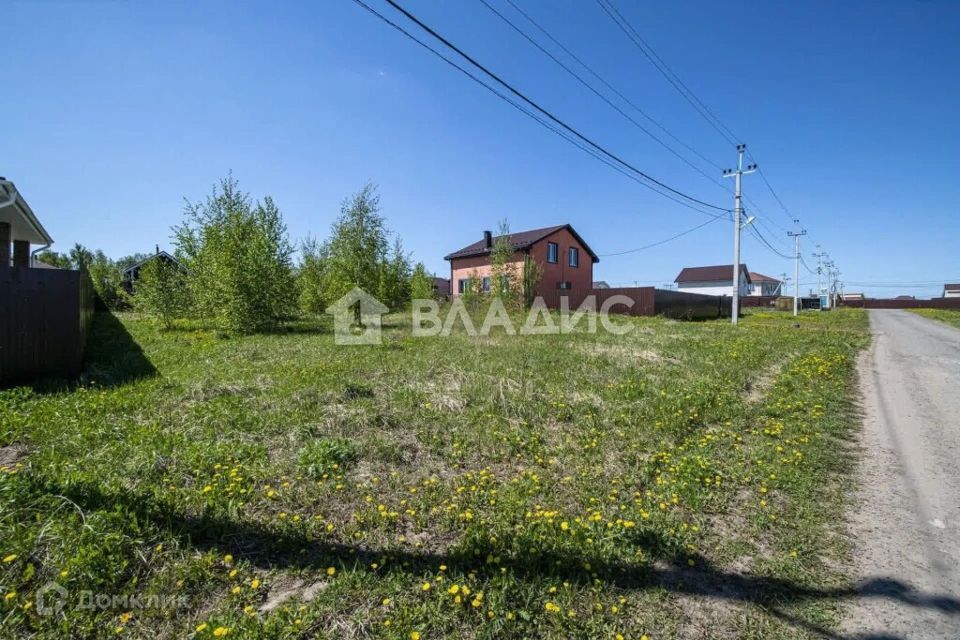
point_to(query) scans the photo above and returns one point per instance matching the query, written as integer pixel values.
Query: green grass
(688, 479)
(950, 316)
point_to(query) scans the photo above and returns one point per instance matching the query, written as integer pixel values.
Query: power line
(610, 103)
(537, 107)
(760, 237)
(666, 71)
(660, 242)
(609, 86)
(650, 53)
(540, 120)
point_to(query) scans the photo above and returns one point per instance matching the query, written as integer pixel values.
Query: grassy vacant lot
(687, 480)
(950, 316)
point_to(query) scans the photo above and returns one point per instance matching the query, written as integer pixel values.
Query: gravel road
(907, 520)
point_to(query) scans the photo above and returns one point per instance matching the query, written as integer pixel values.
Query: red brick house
(566, 259)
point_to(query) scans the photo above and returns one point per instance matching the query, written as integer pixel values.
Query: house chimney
(156, 249)
(487, 239)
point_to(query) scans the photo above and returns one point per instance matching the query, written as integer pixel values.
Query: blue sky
(115, 112)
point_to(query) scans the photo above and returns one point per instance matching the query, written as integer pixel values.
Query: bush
(238, 259)
(161, 291)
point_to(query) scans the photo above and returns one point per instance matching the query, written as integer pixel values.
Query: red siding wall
(580, 277)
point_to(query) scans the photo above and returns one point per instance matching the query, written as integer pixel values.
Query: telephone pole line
(796, 266)
(784, 279)
(738, 224)
(820, 255)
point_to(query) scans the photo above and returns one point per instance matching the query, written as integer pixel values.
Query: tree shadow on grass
(270, 548)
(111, 358)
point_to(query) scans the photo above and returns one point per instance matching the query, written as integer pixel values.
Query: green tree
(532, 273)
(54, 259)
(238, 258)
(505, 282)
(161, 291)
(394, 288)
(421, 283)
(358, 254)
(312, 277)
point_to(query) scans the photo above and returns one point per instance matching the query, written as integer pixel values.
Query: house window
(564, 285)
(486, 284)
(463, 284)
(552, 252)
(573, 255)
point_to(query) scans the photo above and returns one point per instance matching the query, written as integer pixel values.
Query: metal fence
(45, 315)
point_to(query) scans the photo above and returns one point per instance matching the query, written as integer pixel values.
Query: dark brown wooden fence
(647, 301)
(881, 303)
(45, 315)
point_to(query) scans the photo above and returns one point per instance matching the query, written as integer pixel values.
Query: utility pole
(819, 255)
(738, 224)
(796, 266)
(783, 281)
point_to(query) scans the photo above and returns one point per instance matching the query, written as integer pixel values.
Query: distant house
(853, 297)
(601, 284)
(905, 298)
(18, 225)
(761, 285)
(132, 273)
(566, 259)
(951, 291)
(441, 287)
(715, 280)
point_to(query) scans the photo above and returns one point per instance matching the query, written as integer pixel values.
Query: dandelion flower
(255, 583)
(425, 586)
(220, 632)
(201, 627)
(10, 558)
(331, 571)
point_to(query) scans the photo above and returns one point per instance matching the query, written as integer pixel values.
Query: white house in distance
(951, 290)
(761, 285)
(713, 281)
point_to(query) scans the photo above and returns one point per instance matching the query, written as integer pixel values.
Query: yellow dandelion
(201, 627)
(425, 586)
(255, 583)
(10, 558)
(220, 632)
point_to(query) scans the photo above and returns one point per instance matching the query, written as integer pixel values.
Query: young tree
(358, 254)
(531, 276)
(395, 278)
(238, 259)
(312, 284)
(421, 283)
(161, 291)
(504, 277)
